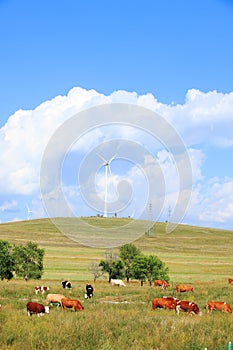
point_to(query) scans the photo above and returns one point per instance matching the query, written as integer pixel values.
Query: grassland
(120, 318)
(191, 253)
(116, 318)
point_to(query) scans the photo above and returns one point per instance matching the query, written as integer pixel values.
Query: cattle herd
(165, 302)
(190, 307)
(58, 299)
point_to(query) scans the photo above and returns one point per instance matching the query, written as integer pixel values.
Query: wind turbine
(106, 164)
(29, 212)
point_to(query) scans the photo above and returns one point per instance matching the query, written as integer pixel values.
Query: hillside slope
(191, 253)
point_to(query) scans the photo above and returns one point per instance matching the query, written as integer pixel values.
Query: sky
(173, 58)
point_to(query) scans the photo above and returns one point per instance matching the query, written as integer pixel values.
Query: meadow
(117, 317)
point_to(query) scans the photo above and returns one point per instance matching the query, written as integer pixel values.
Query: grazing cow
(35, 308)
(230, 280)
(188, 306)
(54, 299)
(89, 291)
(161, 283)
(66, 284)
(218, 305)
(184, 288)
(71, 304)
(41, 289)
(117, 283)
(165, 303)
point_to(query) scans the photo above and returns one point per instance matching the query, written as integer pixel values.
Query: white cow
(117, 283)
(54, 299)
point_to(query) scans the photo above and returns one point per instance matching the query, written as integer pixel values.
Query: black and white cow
(66, 284)
(89, 291)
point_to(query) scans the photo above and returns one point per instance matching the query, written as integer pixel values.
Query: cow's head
(196, 310)
(46, 309)
(80, 307)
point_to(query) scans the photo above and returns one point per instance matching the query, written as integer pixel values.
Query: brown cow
(230, 280)
(71, 304)
(218, 305)
(161, 283)
(41, 289)
(54, 298)
(165, 303)
(188, 306)
(35, 308)
(181, 288)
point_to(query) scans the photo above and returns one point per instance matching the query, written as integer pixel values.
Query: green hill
(191, 253)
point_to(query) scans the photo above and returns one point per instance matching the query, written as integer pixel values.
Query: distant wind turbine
(29, 212)
(106, 164)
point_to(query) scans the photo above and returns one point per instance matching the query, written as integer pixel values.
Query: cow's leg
(177, 309)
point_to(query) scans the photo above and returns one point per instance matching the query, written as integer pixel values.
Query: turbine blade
(112, 158)
(102, 158)
(110, 171)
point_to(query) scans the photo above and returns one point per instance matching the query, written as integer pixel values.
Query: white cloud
(8, 205)
(212, 203)
(204, 118)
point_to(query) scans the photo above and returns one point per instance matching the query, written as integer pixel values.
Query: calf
(164, 303)
(71, 304)
(89, 291)
(35, 308)
(66, 284)
(54, 298)
(218, 305)
(41, 289)
(188, 306)
(118, 283)
(161, 283)
(181, 288)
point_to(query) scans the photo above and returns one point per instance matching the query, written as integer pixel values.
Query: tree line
(130, 263)
(25, 261)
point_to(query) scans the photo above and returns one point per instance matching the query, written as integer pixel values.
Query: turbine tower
(106, 164)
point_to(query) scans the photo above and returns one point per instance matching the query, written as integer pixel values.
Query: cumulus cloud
(204, 118)
(212, 203)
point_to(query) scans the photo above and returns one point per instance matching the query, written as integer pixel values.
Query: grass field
(117, 317)
(191, 253)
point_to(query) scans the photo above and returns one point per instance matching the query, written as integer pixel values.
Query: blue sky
(174, 57)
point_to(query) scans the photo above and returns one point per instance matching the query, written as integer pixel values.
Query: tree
(96, 270)
(128, 253)
(28, 261)
(6, 260)
(149, 268)
(156, 269)
(112, 265)
(139, 268)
